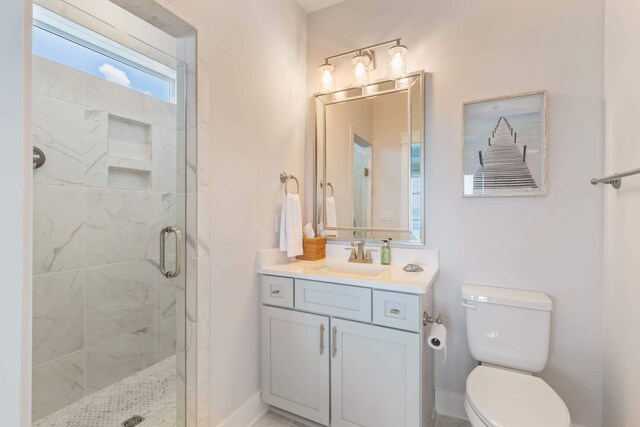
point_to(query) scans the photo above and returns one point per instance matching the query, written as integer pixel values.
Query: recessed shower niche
(130, 152)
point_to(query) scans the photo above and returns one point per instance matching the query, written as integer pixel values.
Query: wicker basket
(313, 248)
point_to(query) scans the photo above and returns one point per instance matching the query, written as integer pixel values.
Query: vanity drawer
(401, 311)
(347, 302)
(277, 290)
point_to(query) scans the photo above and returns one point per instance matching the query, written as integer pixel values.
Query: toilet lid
(508, 399)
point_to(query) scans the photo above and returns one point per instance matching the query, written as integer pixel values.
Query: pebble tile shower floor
(150, 393)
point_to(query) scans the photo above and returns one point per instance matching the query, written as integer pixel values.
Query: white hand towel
(331, 212)
(291, 226)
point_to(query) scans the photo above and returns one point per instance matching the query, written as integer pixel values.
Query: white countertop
(387, 277)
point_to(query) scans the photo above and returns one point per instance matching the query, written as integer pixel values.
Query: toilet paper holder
(426, 319)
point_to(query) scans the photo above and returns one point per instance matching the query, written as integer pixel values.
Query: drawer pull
(275, 292)
(334, 337)
(394, 311)
(321, 338)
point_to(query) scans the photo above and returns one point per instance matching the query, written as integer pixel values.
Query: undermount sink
(349, 269)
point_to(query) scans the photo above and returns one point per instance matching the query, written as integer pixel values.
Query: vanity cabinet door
(375, 376)
(295, 362)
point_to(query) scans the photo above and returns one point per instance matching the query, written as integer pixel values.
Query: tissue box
(313, 248)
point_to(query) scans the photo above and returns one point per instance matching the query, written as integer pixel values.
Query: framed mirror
(369, 173)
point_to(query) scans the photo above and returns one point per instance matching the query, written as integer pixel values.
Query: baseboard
(451, 404)
(247, 414)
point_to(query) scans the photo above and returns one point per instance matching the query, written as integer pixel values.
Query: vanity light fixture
(360, 64)
(397, 65)
(327, 72)
(365, 61)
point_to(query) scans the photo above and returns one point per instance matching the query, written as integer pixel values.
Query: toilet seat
(502, 398)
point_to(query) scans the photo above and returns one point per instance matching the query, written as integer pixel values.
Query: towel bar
(616, 179)
(284, 178)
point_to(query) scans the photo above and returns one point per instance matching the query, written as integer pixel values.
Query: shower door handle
(163, 235)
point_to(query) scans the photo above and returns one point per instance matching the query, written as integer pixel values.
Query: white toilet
(508, 333)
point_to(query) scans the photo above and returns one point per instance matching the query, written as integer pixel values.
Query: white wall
(475, 50)
(622, 209)
(256, 52)
(15, 212)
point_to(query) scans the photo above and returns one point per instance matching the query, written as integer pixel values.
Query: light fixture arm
(359, 51)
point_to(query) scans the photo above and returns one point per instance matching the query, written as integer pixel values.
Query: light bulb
(397, 65)
(339, 96)
(403, 83)
(360, 72)
(327, 76)
(370, 90)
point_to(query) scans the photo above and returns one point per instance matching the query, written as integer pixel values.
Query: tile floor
(150, 393)
(274, 420)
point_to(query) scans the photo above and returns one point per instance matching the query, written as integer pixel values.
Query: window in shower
(61, 40)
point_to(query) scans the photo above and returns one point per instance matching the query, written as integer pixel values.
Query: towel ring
(328, 185)
(284, 178)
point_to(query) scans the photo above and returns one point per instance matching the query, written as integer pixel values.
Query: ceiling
(314, 5)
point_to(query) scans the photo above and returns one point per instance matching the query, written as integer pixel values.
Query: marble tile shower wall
(101, 309)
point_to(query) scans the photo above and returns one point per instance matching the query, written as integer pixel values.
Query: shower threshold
(150, 394)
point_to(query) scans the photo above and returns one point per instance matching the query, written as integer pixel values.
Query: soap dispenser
(385, 252)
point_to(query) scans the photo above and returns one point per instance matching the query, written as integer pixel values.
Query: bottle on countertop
(385, 252)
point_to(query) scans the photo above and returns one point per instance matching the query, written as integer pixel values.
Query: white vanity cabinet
(295, 362)
(346, 356)
(375, 376)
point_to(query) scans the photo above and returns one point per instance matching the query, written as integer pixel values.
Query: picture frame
(505, 146)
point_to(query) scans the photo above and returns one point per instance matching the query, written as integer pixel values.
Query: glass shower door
(109, 202)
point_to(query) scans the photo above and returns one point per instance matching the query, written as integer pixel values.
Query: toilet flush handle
(470, 306)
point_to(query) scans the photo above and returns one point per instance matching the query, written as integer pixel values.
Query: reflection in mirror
(369, 151)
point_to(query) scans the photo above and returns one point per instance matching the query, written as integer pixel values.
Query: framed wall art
(505, 146)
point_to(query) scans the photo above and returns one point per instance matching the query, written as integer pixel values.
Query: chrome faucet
(358, 254)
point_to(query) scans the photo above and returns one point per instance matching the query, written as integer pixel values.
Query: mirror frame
(351, 94)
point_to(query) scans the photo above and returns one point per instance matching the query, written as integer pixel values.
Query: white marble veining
(203, 154)
(93, 206)
(121, 298)
(124, 102)
(150, 393)
(123, 225)
(58, 228)
(110, 361)
(58, 313)
(165, 160)
(58, 132)
(57, 81)
(191, 159)
(96, 137)
(168, 337)
(57, 384)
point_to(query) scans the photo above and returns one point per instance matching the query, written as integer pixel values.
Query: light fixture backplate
(371, 54)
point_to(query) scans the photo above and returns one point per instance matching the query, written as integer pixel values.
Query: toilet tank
(508, 327)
